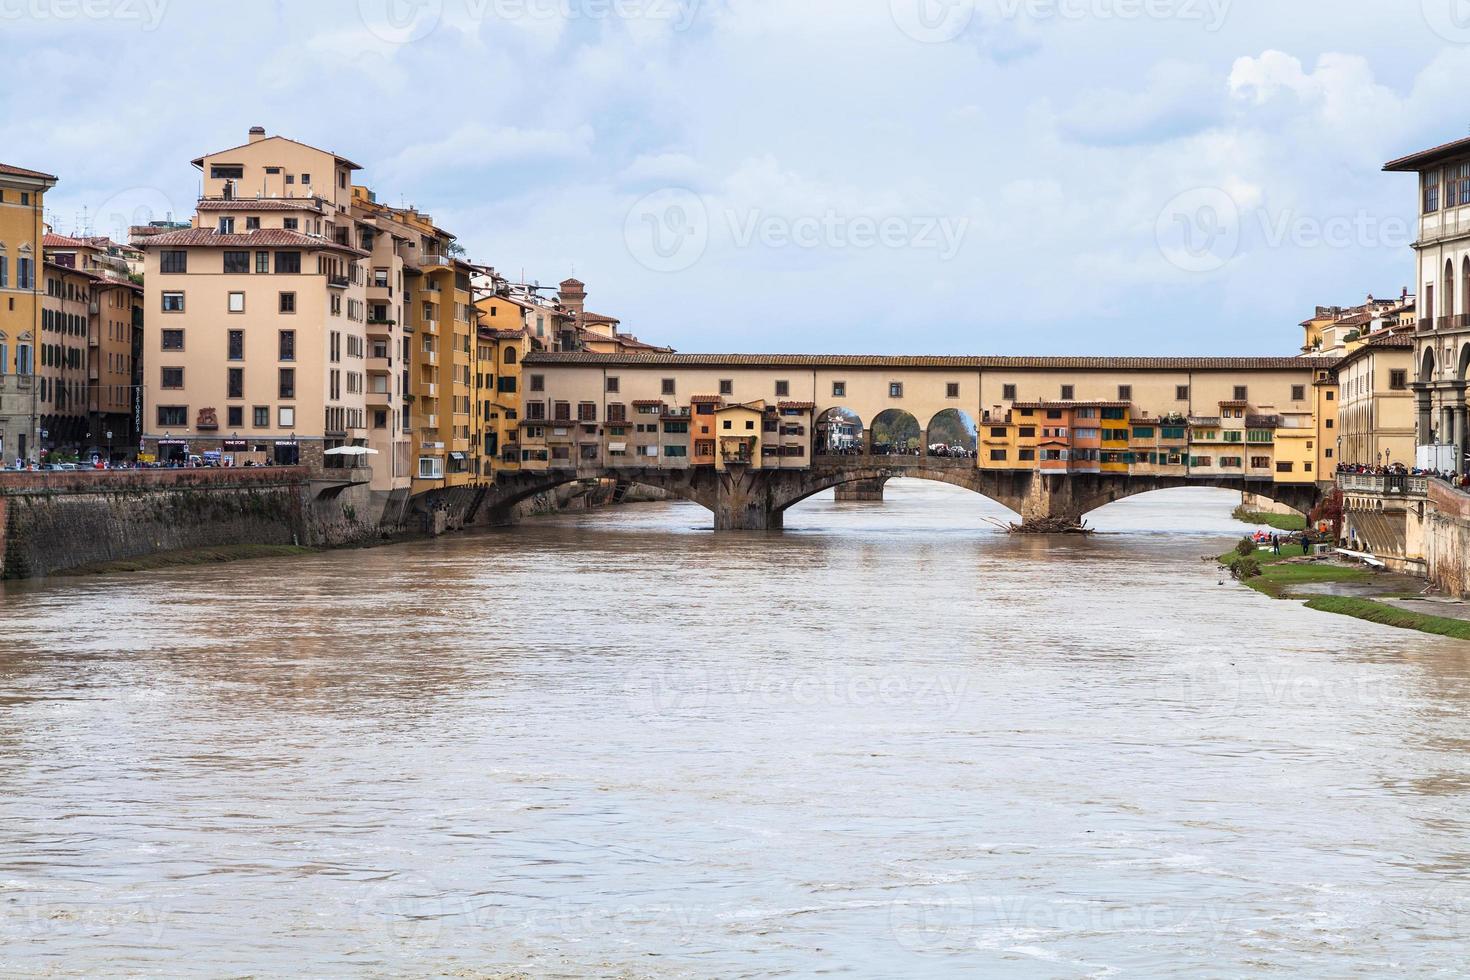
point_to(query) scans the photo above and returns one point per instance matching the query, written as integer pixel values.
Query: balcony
(430, 422)
(379, 365)
(429, 326)
(434, 260)
(1388, 484)
(429, 357)
(338, 282)
(428, 389)
(379, 399)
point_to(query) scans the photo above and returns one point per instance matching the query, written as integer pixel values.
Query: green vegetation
(1281, 522)
(1377, 612)
(194, 556)
(1271, 575)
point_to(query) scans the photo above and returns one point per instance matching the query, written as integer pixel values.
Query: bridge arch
(955, 430)
(1463, 362)
(1002, 487)
(1300, 497)
(1426, 366)
(896, 433)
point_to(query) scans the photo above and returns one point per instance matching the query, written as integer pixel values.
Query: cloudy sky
(944, 176)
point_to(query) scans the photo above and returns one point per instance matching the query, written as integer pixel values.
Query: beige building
(256, 317)
(1376, 406)
(1442, 277)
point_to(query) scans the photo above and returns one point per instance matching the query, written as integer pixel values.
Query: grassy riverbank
(1281, 579)
(193, 556)
(1281, 522)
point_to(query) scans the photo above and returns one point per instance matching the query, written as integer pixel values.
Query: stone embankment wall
(50, 522)
(1447, 539)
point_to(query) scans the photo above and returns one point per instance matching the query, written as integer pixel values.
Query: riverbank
(192, 556)
(1329, 585)
(1260, 518)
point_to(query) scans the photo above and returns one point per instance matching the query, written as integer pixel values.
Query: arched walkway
(896, 433)
(837, 432)
(952, 434)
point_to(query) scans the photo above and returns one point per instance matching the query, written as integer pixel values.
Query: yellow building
(737, 430)
(22, 194)
(1376, 411)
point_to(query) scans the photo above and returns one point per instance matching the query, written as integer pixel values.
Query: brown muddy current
(888, 741)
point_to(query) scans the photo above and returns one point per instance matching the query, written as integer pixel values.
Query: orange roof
(264, 237)
(9, 171)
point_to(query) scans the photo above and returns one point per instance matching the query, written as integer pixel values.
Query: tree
(1330, 509)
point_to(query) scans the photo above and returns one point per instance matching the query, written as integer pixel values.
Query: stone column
(1049, 498)
(1459, 440)
(862, 491)
(742, 502)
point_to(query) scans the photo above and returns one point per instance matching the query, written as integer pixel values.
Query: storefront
(173, 451)
(286, 453)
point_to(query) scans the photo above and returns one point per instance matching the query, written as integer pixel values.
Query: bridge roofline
(568, 358)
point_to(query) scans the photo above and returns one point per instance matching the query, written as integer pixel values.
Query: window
(1068, 393)
(1026, 455)
(291, 224)
(1331, 395)
(783, 389)
(261, 416)
(262, 261)
(235, 383)
(252, 224)
(1283, 467)
(538, 382)
(25, 273)
(839, 389)
(727, 387)
(667, 386)
(237, 303)
(286, 384)
(287, 346)
(952, 390)
(173, 416)
(1008, 392)
(1327, 423)
(171, 340)
(998, 455)
(306, 178)
(237, 262)
(288, 303)
(1240, 393)
(895, 389)
(171, 377)
(173, 302)
(1431, 191)
(1298, 393)
(227, 171)
(173, 260)
(431, 468)
(675, 451)
(226, 226)
(510, 355)
(1181, 393)
(612, 385)
(288, 261)
(235, 416)
(287, 417)
(587, 412)
(1398, 380)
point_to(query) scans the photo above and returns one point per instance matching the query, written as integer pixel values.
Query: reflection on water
(891, 740)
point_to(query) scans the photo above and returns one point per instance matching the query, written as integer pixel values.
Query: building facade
(22, 229)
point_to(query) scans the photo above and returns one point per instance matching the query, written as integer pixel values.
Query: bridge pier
(743, 500)
(862, 491)
(1051, 497)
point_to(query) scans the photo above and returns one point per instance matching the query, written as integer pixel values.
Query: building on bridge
(1254, 419)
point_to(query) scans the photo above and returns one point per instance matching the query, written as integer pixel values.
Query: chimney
(574, 295)
(257, 133)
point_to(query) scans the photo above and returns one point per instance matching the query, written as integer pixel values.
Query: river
(891, 740)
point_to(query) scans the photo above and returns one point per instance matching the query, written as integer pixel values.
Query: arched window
(1449, 293)
(510, 355)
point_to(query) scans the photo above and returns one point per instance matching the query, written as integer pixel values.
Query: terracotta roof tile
(264, 238)
(7, 170)
(260, 204)
(926, 361)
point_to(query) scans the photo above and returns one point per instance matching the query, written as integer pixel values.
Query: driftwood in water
(1045, 525)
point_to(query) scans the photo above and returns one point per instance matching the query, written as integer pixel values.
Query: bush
(1245, 548)
(1245, 568)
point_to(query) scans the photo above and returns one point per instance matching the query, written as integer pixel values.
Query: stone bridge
(757, 499)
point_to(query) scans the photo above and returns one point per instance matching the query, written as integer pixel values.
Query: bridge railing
(1387, 484)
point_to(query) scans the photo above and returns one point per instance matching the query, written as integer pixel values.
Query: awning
(458, 456)
(617, 447)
